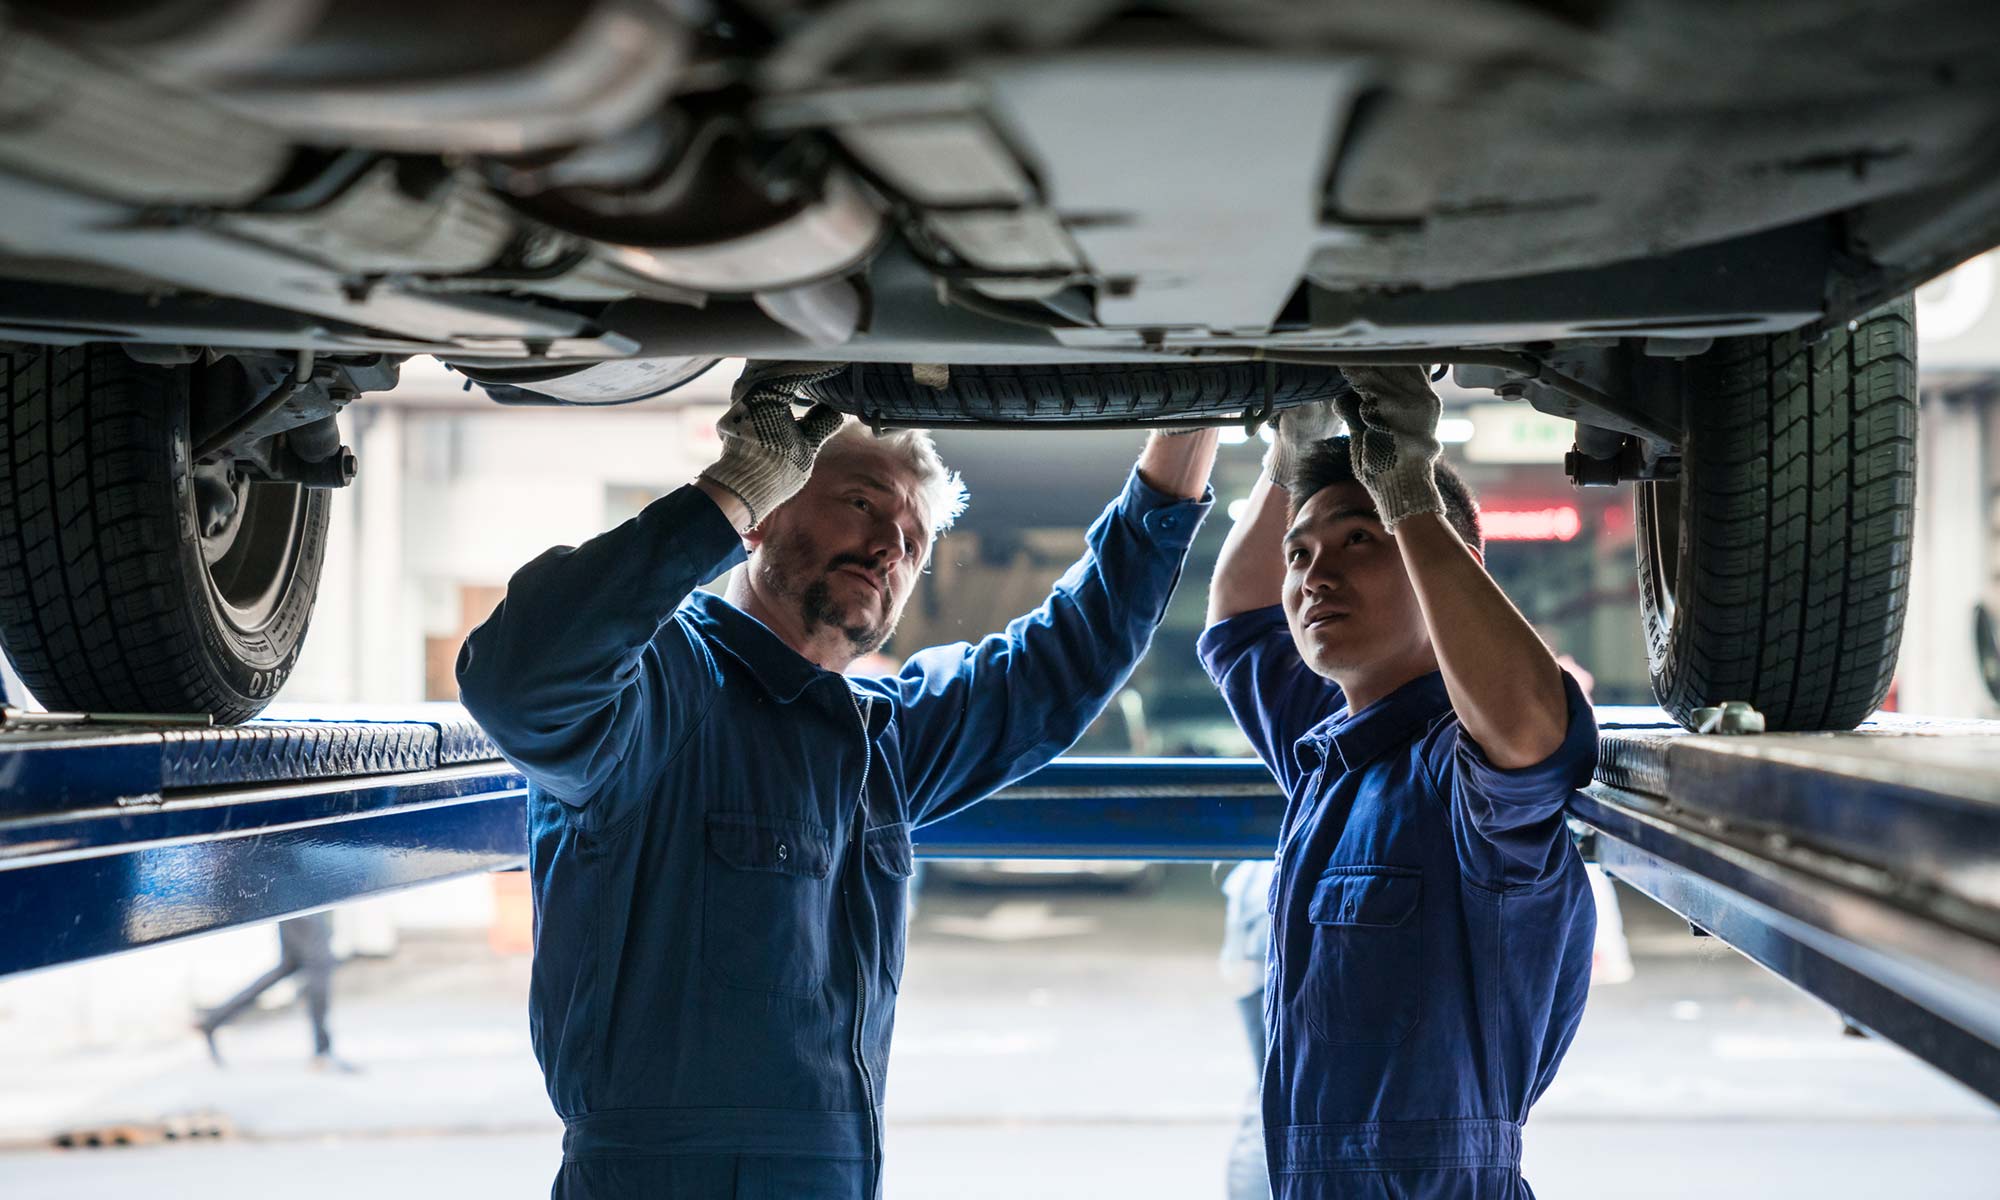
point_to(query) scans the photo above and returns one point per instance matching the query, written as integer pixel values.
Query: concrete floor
(1050, 1045)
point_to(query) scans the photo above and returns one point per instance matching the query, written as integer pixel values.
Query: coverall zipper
(863, 709)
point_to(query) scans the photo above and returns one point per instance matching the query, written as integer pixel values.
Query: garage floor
(1044, 1038)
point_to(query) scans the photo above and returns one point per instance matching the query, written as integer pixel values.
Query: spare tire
(1076, 395)
(112, 598)
(1776, 570)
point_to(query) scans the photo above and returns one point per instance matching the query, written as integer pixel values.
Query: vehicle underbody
(1044, 211)
(969, 183)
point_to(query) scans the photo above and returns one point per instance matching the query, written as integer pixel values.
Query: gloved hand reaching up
(766, 455)
(1298, 431)
(1392, 418)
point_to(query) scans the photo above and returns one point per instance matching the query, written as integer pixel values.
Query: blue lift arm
(116, 838)
(1863, 868)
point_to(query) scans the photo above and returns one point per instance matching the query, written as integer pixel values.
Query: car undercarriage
(1679, 225)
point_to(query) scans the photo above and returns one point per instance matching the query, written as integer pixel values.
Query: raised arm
(558, 676)
(1250, 571)
(1505, 685)
(1270, 691)
(1179, 464)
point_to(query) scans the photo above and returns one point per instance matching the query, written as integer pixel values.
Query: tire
(1068, 394)
(1777, 568)
(110, 598)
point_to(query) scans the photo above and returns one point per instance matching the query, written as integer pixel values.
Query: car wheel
(1776, 569)
(113, 595)
(1072, 394)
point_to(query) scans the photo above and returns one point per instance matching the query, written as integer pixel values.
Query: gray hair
(940, 488)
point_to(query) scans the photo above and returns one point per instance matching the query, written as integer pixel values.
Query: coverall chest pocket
(1364, 983)
(764, 903)
(890, 862)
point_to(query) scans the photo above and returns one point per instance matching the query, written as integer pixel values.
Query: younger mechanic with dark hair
(1432, 924)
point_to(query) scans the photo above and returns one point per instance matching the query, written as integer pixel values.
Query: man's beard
(815, 599)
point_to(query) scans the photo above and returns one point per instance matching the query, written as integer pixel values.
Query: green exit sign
(1515, 433)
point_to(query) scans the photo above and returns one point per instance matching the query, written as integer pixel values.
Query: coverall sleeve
(978, 715)
(565, 676)
(1269, 689)
(1507, 825)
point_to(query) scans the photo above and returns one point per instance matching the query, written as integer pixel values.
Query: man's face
(844, 552)
(1347, 597)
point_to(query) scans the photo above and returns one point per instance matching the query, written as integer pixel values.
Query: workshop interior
(320, 318)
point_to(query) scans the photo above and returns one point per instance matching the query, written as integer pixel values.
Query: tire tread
(1067, 392)
(94, 609)
(1797, 514)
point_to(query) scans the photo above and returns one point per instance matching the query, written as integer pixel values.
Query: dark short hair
(1331, 462)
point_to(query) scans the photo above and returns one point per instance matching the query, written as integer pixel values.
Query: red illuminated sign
(1558, 524)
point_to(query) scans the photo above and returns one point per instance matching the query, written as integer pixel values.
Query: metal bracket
(1730, 717)
(1633, 460)
(1607, 386)
(287, 433)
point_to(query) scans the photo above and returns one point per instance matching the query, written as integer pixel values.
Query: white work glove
(766, 455)
(1392, 421)
(1298, 431)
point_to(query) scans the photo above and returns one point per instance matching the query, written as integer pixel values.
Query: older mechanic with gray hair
(720, 821)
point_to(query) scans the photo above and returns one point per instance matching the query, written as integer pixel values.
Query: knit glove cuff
(1392, 420)
(767, 456)
(1298, 431)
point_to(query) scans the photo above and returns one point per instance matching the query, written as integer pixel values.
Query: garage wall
(454, 495)
(1957, 553)
(1956, 558)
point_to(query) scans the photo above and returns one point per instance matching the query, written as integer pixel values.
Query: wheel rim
(1662, 525)
(252, 558)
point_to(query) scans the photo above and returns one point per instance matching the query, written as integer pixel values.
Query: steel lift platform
(1862, 867)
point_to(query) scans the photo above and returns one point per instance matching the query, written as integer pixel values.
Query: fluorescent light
(1233, 435)
(1238, 509)
(1454, 431)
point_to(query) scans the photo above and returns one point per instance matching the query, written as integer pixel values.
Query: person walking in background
(305, 944)
(1246, 947)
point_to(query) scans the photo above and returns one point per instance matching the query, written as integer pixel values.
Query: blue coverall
(1431, 933)
(719, 835)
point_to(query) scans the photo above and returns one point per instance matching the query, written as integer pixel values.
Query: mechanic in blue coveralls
(719, 821)
(1431, 929)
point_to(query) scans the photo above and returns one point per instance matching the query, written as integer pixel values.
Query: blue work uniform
(719, 835)
(1431, 936)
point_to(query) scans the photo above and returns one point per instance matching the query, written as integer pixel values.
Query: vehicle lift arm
(1863, 868)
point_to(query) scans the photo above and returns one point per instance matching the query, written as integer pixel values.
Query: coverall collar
(777, 668)
(1352, 740)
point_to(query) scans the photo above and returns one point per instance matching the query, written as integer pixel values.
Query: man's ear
(760, 533)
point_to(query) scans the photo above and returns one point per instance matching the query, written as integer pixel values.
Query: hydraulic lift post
(1863, 868)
